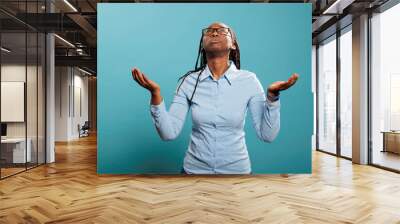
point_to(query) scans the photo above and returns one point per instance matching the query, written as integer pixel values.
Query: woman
(219, 94)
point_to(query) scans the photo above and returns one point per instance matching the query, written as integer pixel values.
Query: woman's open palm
(142, 80)
(283, 85)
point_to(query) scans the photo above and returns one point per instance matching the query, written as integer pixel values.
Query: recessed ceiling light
(5, 50)
(70, 5)
(65, 41)
(84, 71)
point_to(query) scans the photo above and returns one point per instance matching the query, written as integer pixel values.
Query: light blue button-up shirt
(219, 108)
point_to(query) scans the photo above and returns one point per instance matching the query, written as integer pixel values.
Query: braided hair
(234, 55)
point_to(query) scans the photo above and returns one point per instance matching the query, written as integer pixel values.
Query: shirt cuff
(156, 110)
(272, 104)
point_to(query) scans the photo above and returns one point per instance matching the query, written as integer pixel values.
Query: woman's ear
(233, 46)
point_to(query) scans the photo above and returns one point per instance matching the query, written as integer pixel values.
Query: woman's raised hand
(142, 80)
(278, 86)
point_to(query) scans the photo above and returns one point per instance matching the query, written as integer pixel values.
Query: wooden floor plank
(70, 191)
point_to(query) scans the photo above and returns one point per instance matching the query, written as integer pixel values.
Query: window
(327, 95)
(385, 88)
(346, 75)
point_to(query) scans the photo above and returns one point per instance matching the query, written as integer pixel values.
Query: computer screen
(3, 129)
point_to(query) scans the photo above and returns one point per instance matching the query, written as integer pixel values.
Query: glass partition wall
(334, 94)
(22, 91)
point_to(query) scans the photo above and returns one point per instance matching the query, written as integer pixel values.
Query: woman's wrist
(155, 92)
(156, 98)
(273, 96)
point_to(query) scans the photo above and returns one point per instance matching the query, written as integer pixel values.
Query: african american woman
(219, 94)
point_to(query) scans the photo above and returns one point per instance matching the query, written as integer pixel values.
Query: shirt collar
(229, 74)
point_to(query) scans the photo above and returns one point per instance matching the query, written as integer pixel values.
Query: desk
(18, 150)
(391, 141)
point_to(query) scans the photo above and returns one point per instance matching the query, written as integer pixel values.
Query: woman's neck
(218, 65)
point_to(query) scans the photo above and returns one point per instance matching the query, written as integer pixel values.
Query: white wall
(62, 81)
(79, 117)
(33, 127)
(16, 72)
(70, 83)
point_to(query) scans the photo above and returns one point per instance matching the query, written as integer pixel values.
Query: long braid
(234, 55)
(200, 55)
(195, 87)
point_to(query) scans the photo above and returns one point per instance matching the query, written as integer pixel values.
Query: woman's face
(217, 38)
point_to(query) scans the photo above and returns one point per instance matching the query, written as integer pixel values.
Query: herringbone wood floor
(70, 191)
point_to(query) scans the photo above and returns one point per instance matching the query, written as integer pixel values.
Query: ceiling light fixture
(65, 41)
(5, 50)
(84, 71)
(329, 9)
(70, 5)
(337, 7)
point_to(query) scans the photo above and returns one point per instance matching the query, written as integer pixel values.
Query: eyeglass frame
(216, 29)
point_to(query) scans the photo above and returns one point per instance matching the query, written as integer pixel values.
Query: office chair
(84, 130)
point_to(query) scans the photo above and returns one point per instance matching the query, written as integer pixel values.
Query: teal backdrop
(162, 40)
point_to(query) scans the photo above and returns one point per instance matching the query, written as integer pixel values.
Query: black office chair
(84, 130)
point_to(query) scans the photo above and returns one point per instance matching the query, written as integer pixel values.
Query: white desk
(19, 149)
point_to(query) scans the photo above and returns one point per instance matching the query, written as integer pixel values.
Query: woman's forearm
(156, 97)
(168, 123)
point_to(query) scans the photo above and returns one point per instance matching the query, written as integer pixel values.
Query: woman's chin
(215, 49)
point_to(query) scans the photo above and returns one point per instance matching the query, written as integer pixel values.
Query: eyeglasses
(220, 30)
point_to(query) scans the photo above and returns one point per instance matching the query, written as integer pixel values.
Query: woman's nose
(214, 33)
